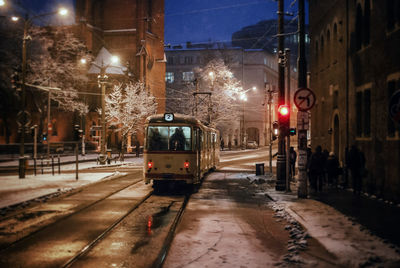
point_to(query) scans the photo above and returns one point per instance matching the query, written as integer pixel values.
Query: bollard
(42, 164)
(260, 169)
(52, 165)
(59, 164)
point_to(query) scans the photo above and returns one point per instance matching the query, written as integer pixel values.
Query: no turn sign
(304, 99)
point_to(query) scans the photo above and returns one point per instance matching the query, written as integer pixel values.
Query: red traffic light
(283, 110)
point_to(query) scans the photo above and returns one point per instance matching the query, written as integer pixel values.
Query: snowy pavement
(351, 243)
(14, 190)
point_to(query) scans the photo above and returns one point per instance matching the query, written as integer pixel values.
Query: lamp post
(243, 97)
(102, 79)
(24, 115)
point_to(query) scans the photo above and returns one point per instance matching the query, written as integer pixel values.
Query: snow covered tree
(54, 61)
(127, 106)
(217, 78)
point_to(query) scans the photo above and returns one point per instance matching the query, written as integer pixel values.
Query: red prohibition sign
(304, 99)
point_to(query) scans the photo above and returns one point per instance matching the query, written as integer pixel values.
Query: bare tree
(127, 106)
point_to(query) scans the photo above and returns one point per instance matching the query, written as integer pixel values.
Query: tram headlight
(186, 164)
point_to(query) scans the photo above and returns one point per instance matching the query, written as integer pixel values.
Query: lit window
(188, 76)
(169, 77)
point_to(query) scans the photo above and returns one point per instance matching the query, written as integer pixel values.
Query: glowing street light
(2, 3)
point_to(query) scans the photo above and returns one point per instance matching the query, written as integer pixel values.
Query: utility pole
(302, 83)
(287, 102)
(281, 159)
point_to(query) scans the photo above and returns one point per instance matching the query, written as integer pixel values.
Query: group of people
(323, 167)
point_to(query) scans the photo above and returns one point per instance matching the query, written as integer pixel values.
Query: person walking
(356, 164)
(137, 148)
(229, 145)
(332, 169)
(317, 170)
(222, 144)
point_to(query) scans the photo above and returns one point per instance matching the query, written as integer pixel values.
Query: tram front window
(164, 138)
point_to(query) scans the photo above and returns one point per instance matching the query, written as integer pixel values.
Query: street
(236, 219)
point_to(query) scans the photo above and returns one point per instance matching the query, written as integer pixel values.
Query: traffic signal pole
(281, 158)
(287, 102)
(302, 83)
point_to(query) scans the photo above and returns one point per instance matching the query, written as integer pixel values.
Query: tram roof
(178, 118)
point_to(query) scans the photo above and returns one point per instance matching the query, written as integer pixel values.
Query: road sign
(24, 117)
(302, 120)
(394, 106)
(304, 99)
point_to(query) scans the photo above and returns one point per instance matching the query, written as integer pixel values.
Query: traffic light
(292, 131)
(284, 119)
(44, 136)
(275, 130)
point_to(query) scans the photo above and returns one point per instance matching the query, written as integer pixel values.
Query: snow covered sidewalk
(351, 243)
(14, 190)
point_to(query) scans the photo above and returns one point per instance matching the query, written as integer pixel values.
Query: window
(359, 28)
(363, 113)
(188, 60)
(391, 126)
(188, 76)
(169, 77)
(170, 60)
(169, 138)
(366, 28)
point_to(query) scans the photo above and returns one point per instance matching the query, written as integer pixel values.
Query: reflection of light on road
(149, 224)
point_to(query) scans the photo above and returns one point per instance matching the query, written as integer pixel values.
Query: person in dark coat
(137, 148)
(332, 169)
(222, 144)
(356, 164)
(316, 168)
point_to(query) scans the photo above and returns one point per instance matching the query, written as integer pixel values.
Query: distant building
(355, 69)
(132, 30)
(253, 67)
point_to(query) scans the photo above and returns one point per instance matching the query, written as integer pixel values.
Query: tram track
(71, 250)
(20, 214)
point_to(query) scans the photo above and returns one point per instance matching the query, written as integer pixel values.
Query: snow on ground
(14, 190)
(351, 243)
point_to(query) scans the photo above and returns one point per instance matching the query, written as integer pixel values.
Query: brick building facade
(355, 69)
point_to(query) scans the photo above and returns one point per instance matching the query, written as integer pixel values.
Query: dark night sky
(197, 20)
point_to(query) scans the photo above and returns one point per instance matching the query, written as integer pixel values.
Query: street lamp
(243, 98)
(112, 62)
(24, 115)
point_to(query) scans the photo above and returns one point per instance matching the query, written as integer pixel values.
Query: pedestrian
(137, 148)
(325, 155)
(316, 168)
(292, 158)
(332, 169)
(229, 145)
(356, 164)
(222, 144)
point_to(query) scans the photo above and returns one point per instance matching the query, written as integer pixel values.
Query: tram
(178, 148)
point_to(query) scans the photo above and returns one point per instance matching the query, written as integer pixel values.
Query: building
(253, 67)
(355, 69)
(132, 30)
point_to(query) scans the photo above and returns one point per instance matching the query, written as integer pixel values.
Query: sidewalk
(360, 231)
